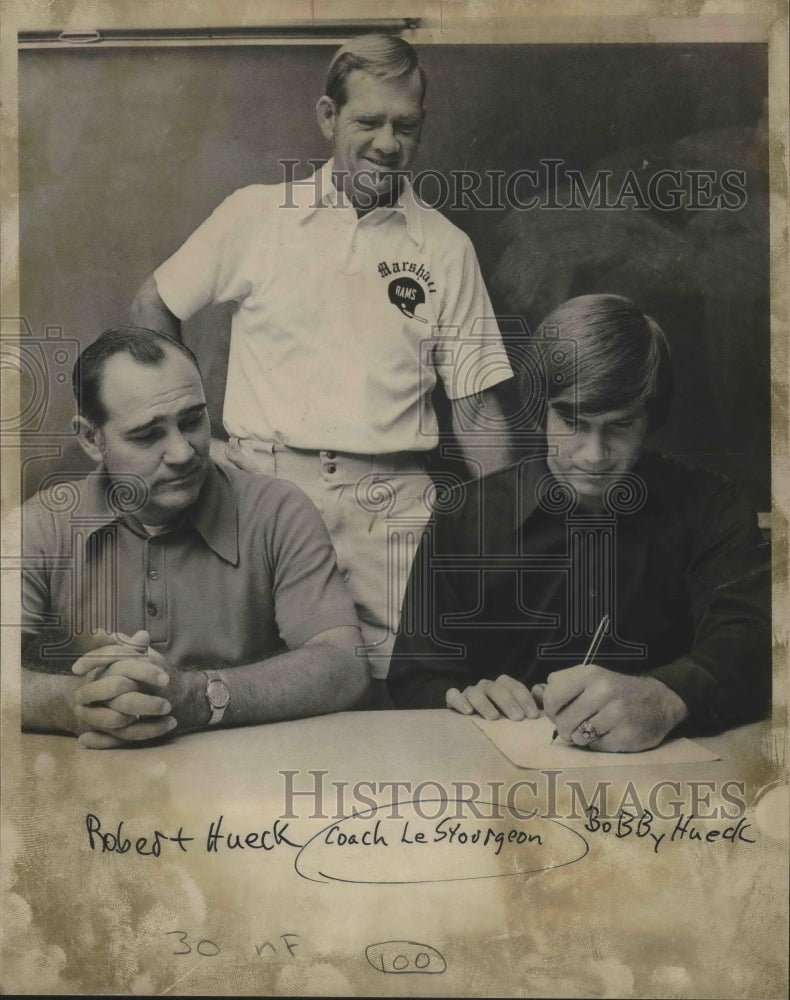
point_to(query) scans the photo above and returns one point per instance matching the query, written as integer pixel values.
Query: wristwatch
(217, 695)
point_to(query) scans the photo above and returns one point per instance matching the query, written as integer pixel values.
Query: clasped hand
(628, 713)
(119, 702)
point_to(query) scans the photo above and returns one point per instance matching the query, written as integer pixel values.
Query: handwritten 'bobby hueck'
(643, 826)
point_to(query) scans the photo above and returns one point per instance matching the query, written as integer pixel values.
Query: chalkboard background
(124, 151)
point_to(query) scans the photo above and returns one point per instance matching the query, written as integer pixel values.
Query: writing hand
(113, 706)
(628, 713)
(489, 698)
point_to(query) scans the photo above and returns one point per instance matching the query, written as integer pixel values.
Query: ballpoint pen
(593, 649)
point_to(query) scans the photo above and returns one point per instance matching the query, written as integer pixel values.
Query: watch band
(217, 695)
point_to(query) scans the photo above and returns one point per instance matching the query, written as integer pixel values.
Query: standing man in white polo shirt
(352, 300)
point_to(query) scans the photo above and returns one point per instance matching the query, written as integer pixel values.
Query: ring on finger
(587, 731)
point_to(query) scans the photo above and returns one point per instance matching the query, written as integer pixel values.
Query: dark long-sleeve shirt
(509, 580)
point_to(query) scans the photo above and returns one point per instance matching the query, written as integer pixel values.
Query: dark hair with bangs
(147, 347)
(384, 56)
(621, 358)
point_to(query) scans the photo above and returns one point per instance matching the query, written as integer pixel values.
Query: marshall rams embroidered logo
(405, 292)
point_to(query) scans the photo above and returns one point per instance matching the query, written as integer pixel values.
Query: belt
(342, 466)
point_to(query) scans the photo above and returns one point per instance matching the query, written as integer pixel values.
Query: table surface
(298, 895)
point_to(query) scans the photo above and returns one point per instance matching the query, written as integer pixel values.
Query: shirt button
(331, 468)
(153, 574)
(151, 609)
(331, 455)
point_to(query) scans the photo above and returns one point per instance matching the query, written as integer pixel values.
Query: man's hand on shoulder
(504, 696)
(225, 453)
(627, 713)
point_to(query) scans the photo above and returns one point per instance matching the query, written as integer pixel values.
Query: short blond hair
(384, 56)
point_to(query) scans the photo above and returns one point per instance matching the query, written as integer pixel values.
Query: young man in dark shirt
(516, 571)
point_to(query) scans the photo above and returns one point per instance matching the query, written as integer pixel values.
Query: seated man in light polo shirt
(352, 301)
(163, 593)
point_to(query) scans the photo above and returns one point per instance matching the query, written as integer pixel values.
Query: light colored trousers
(375, 509)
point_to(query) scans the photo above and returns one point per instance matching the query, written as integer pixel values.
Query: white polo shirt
(343, 324)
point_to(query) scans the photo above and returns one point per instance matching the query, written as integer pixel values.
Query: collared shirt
(511, 580)
(248, 572)
(343, 324)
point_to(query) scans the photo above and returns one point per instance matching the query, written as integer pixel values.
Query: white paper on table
(529, 744)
